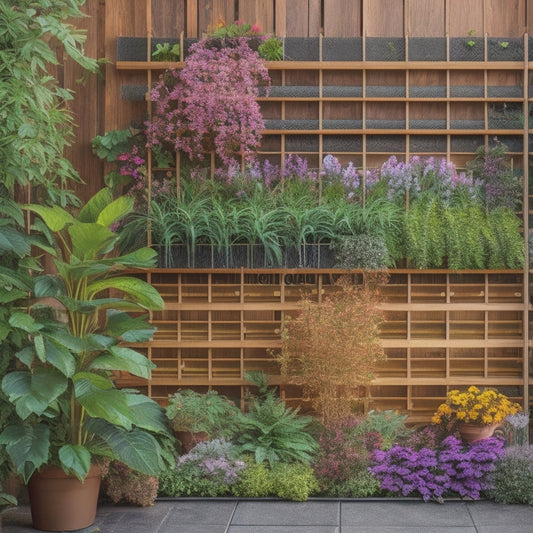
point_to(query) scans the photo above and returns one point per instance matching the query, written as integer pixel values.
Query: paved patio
(313, 516)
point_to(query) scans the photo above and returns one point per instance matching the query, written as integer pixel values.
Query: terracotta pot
(60, 502)
(471, 432)
(189, 440)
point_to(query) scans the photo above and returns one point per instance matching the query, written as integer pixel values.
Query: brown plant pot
(471, 432)
(60, 502)
(189, 440)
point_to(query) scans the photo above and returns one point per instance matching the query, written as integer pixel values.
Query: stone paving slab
(313, 516)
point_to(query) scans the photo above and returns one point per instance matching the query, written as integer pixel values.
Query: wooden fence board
(465, 16)
(425, 18)
(260, 12)
(505, 17)
(383, 18)
(168, 18)
(342, 18)
(211, 12)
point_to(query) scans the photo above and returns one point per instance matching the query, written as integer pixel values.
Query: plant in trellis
(211, 104)
(331, 347)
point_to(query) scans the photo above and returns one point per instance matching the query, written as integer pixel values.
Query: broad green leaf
(95, 205)
(27, 447)
(54, 217)
(101, 400)
(60, 357)
(148, 413)
(90, 240)
(138, 449)
(76, 459)
(47, 286)
(25, 322)
(33, 392)
(127, 328)
(116, 210)
(121, 358)
(136, 289)
(12, 240)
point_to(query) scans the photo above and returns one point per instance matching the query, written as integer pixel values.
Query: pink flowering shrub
(211, 104)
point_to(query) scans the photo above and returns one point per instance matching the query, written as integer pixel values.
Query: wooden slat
(383, 18)
(505, 18)
(168, 19)
(211, 12)
(465, 16)
(343, 18)
(260, 12)
(425, 18)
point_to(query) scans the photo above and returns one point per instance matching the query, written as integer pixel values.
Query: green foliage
(425, 232)
(389, 424)
(512, 478)
(36, 125)
(362, 484)
(110, 145)
(62, 389)
(166, 52)
(273, 432)
(367, 252)
(290, 481)
(255, 481)
(466, 236)
(505, 245)
(293, 481)
(271, 49)
(214, 414)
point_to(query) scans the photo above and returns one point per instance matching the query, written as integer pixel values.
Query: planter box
(467, 49)
(385, 49)
(505, 49)
(301, 49)
(342, 49)
(427, 49)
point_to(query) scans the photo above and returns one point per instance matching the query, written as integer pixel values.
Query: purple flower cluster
(431, 473)
(211, 104)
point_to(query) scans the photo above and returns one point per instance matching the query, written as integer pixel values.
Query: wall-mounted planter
(301, 49)
(427, 144)
(342, 143)
(385, 143)
(466, 143)
(427, 49)
(342, 49)
(467, 49)
(384, 49)
(246, 256)
(505, 49)
(135, 48)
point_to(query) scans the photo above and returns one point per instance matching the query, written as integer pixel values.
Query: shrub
(209, 469)
(290, 481)
(512, 478)
(365, 251)
(121, 484)
(389, 424)
(331, 347)
(362, 484)
(293, 481)
(342, 454)
(454, 468)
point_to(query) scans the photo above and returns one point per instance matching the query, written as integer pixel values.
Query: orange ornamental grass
(331, 347)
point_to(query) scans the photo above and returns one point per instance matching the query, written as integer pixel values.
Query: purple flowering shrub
(211, 104)
(209, 469)
(453, 468)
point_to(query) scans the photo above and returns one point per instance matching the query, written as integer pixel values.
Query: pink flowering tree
(211, 104)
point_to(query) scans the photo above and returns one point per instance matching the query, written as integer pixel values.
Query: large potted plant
(69, 411)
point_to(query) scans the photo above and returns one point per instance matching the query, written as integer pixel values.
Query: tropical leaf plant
(68, 408)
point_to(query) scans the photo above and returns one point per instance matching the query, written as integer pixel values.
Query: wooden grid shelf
(442, 329)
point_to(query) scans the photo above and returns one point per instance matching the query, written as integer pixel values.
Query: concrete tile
(194, 512)
(402, 514)
(409, 529)
(283, 529)
(286, 514)
(486, 513)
